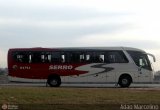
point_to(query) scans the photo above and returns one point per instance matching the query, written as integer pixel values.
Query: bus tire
(125, 81)
(54, 81)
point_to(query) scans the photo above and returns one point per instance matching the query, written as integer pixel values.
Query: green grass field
(76, 98)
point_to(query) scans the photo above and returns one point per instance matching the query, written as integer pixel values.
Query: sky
(80, 23)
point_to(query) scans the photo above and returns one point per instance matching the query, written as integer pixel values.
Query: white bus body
(119, 65)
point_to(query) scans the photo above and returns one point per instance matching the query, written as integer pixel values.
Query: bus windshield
(141, 59)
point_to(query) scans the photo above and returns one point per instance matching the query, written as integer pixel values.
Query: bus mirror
(154, 59)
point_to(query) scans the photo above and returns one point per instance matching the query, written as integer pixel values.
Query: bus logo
(60, 67)
(25, 67)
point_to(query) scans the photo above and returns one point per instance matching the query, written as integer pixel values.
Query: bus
(80, 65)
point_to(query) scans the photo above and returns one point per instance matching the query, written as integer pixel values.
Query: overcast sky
(74, 23)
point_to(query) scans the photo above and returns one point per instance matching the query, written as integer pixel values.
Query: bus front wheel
(54, 81)
(125, 81)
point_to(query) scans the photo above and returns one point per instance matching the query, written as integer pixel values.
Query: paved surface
(4, 82)
(156, 86)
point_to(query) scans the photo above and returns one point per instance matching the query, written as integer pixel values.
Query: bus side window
(42, 58)
(82, 58)
(74, 57)
(30, 58)
(115, 57)
(26, 58)
(19, 58)
(49, 58)
(36, 57)
(63, 58)
(56, 57)
(90, 57)
(22, 57)
(87, 58)
(45, 57)
(99, 57)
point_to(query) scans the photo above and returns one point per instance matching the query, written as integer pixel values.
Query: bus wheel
(125, 81)
(54, 81)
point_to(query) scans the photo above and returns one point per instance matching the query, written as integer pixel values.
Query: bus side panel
(129, 69)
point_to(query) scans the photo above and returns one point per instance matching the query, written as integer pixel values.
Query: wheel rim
(53, 82)
(124, 81)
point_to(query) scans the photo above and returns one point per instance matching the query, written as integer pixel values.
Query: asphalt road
(157, 86)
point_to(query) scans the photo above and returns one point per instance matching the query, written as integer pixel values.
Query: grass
(47, 97)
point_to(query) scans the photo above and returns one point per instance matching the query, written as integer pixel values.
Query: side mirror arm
(154, 59)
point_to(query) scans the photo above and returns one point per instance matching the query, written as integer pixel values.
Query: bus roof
(75, 49)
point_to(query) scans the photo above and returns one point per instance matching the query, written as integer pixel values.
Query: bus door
(144, 70)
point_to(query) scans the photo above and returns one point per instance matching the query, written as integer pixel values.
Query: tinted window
(22, 57)
(89, 57)
(48, 57)
(70, 57)
(115, 57)
(99, 57)
(58, 57)
(74, 56)
(32, 57)
(45, 57)
(40, 57)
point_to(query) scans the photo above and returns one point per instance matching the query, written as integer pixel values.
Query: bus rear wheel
(54, 81)
(125, 81)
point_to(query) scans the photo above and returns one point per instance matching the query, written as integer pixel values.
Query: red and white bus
(100, 65)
